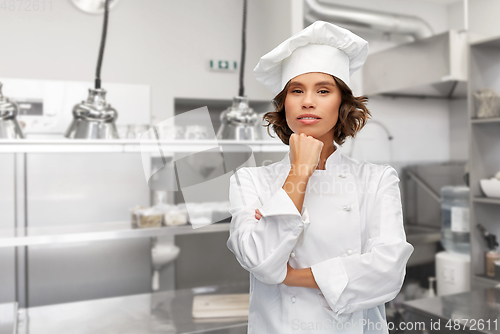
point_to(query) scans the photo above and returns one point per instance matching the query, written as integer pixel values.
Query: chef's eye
(324, 91)
(296, 91)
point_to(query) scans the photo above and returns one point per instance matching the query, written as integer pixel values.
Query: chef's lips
(308, 119)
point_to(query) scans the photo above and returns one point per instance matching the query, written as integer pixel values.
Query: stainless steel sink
(422, 234)
(425, 241)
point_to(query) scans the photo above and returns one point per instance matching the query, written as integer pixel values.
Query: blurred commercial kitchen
(98, 232)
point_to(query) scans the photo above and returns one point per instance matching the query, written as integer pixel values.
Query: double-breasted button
(342, 175)
(349, 252)
(294, 299)
(347, 208)
(292, 254)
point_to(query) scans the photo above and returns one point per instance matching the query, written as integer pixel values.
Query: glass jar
(159, 197)
(196, 132)
(122, 131)
(135, 131)
(455, 227)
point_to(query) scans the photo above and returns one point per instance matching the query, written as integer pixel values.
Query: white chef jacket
(350, 233)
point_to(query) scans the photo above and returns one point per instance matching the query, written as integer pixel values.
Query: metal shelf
(490, 42)
(486, 200)
(487, 279)
(130, 146)
(485, 120)
(484, 149)
(96, 232)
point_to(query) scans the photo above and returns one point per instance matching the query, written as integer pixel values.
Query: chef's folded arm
(362, 281)
(263, 247)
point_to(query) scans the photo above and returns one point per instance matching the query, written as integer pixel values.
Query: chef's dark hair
(353, 115)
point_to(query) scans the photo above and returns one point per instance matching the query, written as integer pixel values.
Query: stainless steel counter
(163, 312)
(475, 311)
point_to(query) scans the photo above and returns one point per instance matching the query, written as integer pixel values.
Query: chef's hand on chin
(304, 153)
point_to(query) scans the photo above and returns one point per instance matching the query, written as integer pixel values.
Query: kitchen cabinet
(484, 153)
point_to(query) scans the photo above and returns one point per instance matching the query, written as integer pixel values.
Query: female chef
(320, 233)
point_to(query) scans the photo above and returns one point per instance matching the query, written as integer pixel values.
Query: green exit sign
(223, 65)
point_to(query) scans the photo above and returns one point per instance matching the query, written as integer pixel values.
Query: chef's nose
(308, 101)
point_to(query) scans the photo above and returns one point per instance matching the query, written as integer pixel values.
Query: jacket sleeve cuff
(286, 214)
(332, 279)
(281, 204)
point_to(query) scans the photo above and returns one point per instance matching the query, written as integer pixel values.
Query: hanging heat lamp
(240, 122)
(9, 126)
(95, 118)
(93, 6)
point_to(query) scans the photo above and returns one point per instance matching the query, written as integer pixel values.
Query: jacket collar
(334, 159)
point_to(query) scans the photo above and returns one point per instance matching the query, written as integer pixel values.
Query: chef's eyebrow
(322, 83)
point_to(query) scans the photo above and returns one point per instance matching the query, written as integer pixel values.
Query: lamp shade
(93, 118)
(9, 126)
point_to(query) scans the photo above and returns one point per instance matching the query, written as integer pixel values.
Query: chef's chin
(307, 132)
